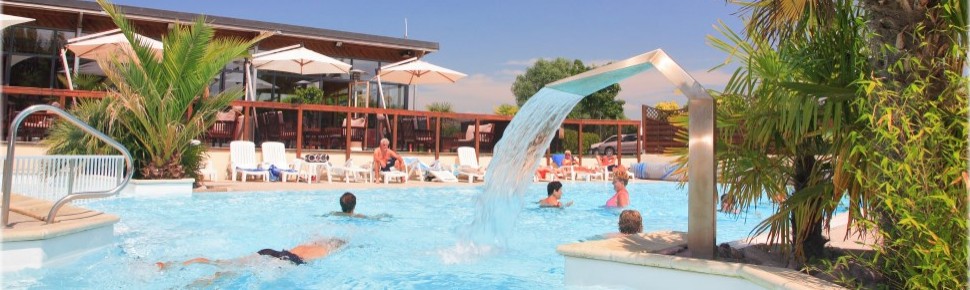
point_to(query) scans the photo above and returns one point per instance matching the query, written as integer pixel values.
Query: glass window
(368, 68)
(35, 40)
(30, 71)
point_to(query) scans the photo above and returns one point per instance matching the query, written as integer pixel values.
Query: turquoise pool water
(418, 245)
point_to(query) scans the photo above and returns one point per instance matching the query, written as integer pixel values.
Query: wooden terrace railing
(302, 126)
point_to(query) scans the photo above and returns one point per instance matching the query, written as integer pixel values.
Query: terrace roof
(67, 14)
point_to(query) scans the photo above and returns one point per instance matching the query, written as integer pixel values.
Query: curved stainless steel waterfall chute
(8, 162)
(701, 171)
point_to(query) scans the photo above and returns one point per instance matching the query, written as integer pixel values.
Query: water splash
(510, 172)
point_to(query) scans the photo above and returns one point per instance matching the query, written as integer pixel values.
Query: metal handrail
(8, 163)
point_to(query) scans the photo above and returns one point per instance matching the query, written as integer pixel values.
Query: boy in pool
(554, 196)
(348, 201)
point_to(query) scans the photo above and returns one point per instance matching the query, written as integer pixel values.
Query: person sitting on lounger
(348, 201)
(554, 197)
(570, 160)
(385, 159)
(609, 161)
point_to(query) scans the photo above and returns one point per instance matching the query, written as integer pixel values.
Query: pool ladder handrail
(8, 162)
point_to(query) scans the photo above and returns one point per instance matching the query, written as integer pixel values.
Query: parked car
(608, 145)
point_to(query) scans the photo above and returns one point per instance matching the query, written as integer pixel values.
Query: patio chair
(468, 164)
(207, 172)
(274, 153)
(242, 160)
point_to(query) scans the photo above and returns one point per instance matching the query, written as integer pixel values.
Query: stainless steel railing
(9, 161)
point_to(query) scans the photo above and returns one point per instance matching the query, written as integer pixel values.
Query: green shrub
(570, 142)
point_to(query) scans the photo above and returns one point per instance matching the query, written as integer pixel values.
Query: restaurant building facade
(31, 51)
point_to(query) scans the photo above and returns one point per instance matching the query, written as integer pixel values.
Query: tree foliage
(305, 95)
(905, 158)
(599, 105)
(914, 150)
(667, 106)
(148, 110)
(792, 103)
(443, 107)
(506, 110)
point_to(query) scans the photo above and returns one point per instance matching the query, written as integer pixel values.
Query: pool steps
(32, 243)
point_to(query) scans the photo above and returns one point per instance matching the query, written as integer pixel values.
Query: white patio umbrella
(300, 60)
(97, 46)
(10, 20)
(297, 59)
(413, 71)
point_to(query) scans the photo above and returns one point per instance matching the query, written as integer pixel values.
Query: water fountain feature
(529, 134)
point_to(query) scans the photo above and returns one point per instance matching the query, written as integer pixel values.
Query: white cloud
(481, 93)
(511, 72)
(527, 62)
(651, 88)
(477, 93)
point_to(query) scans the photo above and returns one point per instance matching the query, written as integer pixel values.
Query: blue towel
(558, 158)
(669, 171)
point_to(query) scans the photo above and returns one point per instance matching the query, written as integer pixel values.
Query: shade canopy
(10, 20)
(300, 60)
(103, 44)
(418, 72)
(99, 45)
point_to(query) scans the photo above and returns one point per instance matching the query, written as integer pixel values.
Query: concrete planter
(638, 261)
(158, 187)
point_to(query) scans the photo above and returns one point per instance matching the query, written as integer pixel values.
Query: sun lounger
(274, 153)
(468, 164)
(242, 160)
(438, 172)
(351, 172)
(394, 175)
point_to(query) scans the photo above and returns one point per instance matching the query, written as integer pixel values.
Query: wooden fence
(324, 127)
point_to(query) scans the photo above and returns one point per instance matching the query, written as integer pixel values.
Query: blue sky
(493, 41)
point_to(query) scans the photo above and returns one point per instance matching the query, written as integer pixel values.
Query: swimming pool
(418, 246)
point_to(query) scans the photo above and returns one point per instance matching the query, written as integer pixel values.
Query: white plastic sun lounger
(468, 164)
(439, 173)
(242, 159)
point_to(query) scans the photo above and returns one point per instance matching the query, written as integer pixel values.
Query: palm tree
(909, 155)
(792, 103)
(159, 105)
